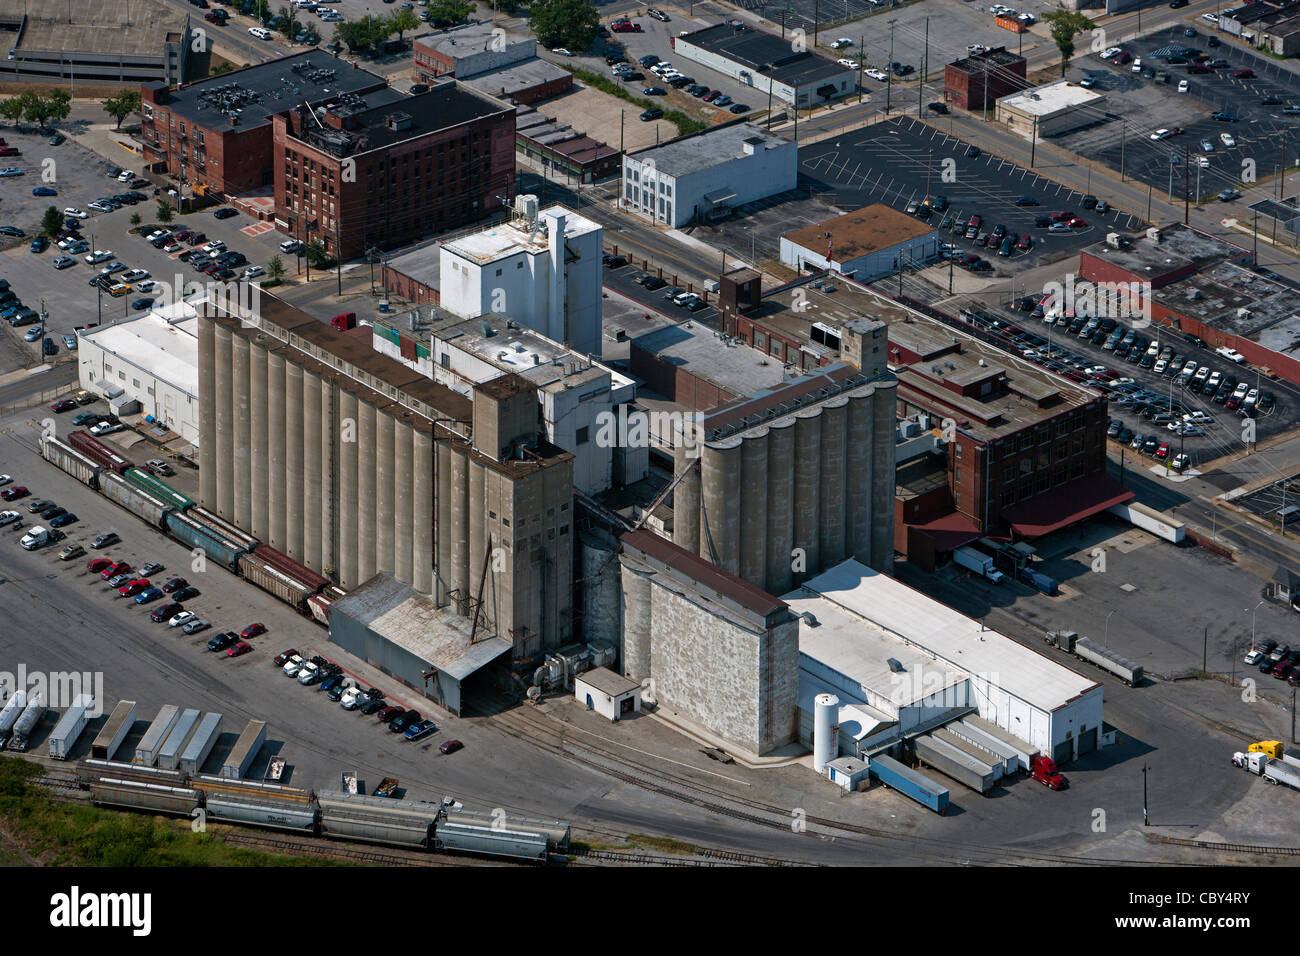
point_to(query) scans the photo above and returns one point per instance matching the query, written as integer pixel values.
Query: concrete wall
(175, 407)
(781, 92)
(867, 267)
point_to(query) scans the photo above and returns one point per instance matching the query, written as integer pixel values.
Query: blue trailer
(219, 548)
(909, 783)
(1047, 585)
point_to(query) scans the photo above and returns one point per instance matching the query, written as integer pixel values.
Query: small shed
(849, 773)
(610, 695)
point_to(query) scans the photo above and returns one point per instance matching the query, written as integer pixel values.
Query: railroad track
(545, 733)
(1230, 847)
(375, 856)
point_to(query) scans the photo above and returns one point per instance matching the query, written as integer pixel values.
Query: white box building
(609, 694)
(865, 244)
(1051, 110)
(540, 269)
(1054, 709)
(151, 358)
(700, 176)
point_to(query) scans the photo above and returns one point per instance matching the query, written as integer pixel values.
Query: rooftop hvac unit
(1153, 234)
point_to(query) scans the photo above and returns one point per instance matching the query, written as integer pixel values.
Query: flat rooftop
(697, 349)
(1179, 247)
(256, 92)
(165, 344)
(1050, 99)
(513, 237)
(766, 53)
(470, 38)
(955, 640)
(701, 151)
(861, 232)
(992, 59)
(135, 28)
(516, 77)
(796, 308)
(861, 650)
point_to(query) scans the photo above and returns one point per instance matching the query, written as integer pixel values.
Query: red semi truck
(1043, 769)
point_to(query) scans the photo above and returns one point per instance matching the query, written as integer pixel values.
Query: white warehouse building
(917, 663)
(542, 269)
(150, 359)
(699, 176)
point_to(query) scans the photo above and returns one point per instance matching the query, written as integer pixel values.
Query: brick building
(976, 82)
(384, 169)
(216, 133)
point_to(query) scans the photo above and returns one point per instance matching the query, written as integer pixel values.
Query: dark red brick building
(975, 82)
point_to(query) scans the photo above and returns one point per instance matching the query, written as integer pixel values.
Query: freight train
(444, 827)
(164, 508)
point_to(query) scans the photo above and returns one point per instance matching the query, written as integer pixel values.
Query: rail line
(1230, 847)
(529, 726)
(310, 847)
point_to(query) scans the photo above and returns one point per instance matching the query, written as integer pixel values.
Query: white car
(1162, 134)
(95, 258)
(148, 285)
(8, 517)
(6, 480)
(1254, 657)
(876, 74)
(99, 206)
(1210, 17)
(1111, 51)
(292, 666)
(107, 428)
(307, 673)
(1198, 417)
(1183, 86)
(1180, 462)
(1227, 140)
(184, 617)
(840, 43)
(1232, 355)
(135, 275)
(126, 175)
(252, 272)
(848, 64)
(72, 212)
(216, 245)
(1251, 399)
(173, 247)
(260, 32)
(561, 51)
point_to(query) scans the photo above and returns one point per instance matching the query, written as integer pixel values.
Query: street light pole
(1106, 640)
(889, 68)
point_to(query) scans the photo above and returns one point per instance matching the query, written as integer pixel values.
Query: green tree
(12, 109)
(122, 105)
(361, 34)
(289, 21)
(315, 253)
(52, 221)
(403, 20)
(275, 269)
(221, 68)
(1065, 25)
(262, 11)
(165, 212)
(135, 219)
(40, 108)
(444, 13)
(566, 23)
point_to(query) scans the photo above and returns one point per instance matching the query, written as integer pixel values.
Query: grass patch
(663, 844)
(74, 834)
(685, 124)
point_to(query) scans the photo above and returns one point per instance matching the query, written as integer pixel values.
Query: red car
(95, 565)
(450, 746)
(175, 584)
(253, 630)
(14, 493)
(133, 587)
(9, 151)
(1162, 452)
(1076, 223)
(1243, 74)
(1282, 668)
(282, 659)
(241, 647)
(1122, 57)
(388, 713)
(63, 405)
(165, 613)
(114, 569)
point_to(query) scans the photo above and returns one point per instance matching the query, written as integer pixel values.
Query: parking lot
(75, 173)
(903, 160)
(1261, 137)
(1273, 498)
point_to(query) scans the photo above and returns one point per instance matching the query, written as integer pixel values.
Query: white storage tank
(826, 744)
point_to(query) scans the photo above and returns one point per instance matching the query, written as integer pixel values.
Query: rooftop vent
(810, 619)
(894, 665)
(398, 121)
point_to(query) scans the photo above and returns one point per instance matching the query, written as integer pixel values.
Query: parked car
(450, 746)
(222, 641)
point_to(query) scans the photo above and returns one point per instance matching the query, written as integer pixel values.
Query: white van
(260, 32)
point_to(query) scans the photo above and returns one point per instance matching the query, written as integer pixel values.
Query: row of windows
(1045, 482)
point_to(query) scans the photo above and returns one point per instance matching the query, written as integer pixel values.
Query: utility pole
(889, 68)
(1187, 184)
(1205, 651)
(1033, 147)
(622, 113)
(1122, 130)
(338, 248)
(862, 64)
(1145, 817)
(1149, 200)
(1254, 229)
(816, 14)
(920, 86)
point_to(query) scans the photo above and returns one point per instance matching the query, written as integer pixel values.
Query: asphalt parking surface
(74, 172)
(1262, 135)
(902, 160)
(1266, 502)
(620, 280)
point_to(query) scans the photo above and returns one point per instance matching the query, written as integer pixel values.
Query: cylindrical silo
(208, 412)
(753, 520)
(276, 508)
(826, 710)
(720, 520)
(780, 505)
(858, 473)
(349, 504)
(367, 452)
(225, 425)
(442, 511)
(315, 476)
(601, 586)
(807, 502)
(403, 501)
(243, 491)
(422, 513)
(636, 623)
(686, 500)
(259, 463)
(457, 518)
(884, 453)
(385, 475)
(329, 481)
(834, 416)
(476, 521)
(293, 442)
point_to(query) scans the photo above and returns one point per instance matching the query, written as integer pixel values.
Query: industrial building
(147, 363)
(353, 464)
(977, 81)
(792, 75)
(1202, 285)
(710, 649)
(698, 177)
(1274, 26)
(524, 83)
(541, 268)
(97, 42)
(557, 148)
(218, 130)
(901, 663)
(866, 244)
(578, 396)
(468, 50)
(609, 694)
(405, 634)
(1051, 110)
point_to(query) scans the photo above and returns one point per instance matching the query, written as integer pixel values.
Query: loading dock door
(1087, 741)
(1063, 752)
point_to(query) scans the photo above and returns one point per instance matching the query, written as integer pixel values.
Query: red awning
(948, 532)
(1063, 506)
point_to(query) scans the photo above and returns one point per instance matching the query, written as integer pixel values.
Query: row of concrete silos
(338, 478)
(779, 502)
